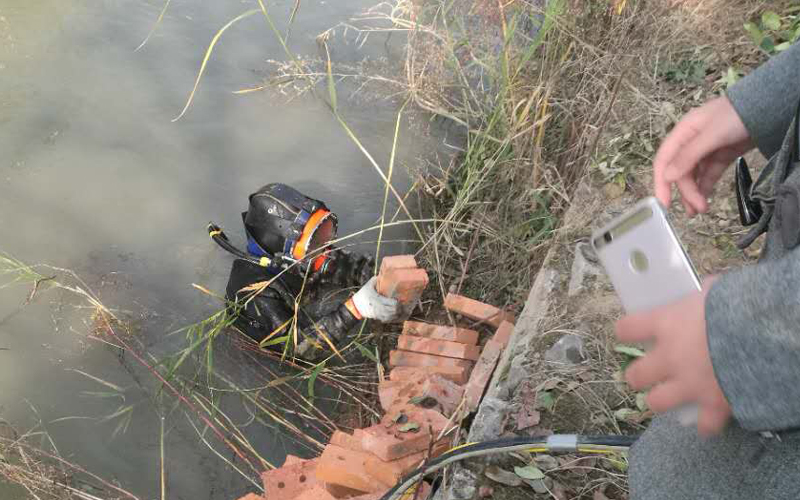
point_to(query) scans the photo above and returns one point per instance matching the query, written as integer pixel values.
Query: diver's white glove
(372, 305)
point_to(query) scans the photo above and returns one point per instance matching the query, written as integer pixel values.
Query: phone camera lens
(607, 237)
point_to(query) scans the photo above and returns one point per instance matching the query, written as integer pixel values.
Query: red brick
(392, 472)
(407, 358)
(481, 374)
(323, 491)
(406, 285)
(338, 491)
(318, 492)
(424, 493)
(478, 311)
(438, 347)
(288, 482)
(293, 460)
(375, 496)
(252, 496)
(391, 444)
(503, 333)
(427, 419)
(398, 262)
(343, 467)
(455, 374)
(440, 332)
(347, 441)
(446, 394)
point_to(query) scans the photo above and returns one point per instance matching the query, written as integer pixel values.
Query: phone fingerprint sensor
(639, 261)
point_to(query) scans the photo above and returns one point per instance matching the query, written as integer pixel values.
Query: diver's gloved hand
(372, 305)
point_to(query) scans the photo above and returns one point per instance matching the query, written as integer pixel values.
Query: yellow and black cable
(559, 443)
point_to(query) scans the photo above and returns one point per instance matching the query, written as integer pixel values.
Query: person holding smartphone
(732, 349)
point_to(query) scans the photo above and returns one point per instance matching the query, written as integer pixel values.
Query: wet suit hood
(282, 221)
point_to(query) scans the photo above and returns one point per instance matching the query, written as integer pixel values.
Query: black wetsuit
(273, 309)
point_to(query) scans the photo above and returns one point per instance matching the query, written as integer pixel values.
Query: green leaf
(755, 33)
(529, 472)
(366, 352)
(275, 341)
(627, 350)
(771, 20)
(313, 378)
(545, 400)
(782, 46)
(730, 77)
(641, 402)
(409, 427)
(768, 45)
(625, 414)
(619, 462)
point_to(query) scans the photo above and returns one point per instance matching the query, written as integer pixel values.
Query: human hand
(370, 304)
(695, 154)
(678, 367)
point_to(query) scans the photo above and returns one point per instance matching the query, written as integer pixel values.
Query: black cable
(610, 440)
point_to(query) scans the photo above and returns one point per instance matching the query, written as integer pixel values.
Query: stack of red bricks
(439, 374)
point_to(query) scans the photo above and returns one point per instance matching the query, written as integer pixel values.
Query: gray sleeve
(766, 99)
(753, 326)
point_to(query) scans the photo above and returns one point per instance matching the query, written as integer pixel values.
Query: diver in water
(288, 254)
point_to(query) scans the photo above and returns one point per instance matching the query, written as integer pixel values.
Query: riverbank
(541, 98)
(625, 72)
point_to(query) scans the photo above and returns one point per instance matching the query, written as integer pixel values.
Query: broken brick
(392, 472)
(338, 491)
(323, 491)
(481, 374)
(292, 460)
(440, 332)
(288, 482)
(343, 467)
(347, 441)
(438, 347)
(432, 390)
(377, 496)
(252, 496)
(424, 493)
(408, 358)
(459, 375)
(318, 492)
(391, 444)
(428, 419)
(503, 334)
(478, 311)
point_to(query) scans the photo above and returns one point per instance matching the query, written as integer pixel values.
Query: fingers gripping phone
(647, 264)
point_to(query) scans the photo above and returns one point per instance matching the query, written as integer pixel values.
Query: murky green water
(95, 177)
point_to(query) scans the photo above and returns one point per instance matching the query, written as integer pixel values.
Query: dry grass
(40, 474)
(536, 112)
(532, 107)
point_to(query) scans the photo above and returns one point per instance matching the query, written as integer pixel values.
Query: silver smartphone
(647, 264)
(644, 259)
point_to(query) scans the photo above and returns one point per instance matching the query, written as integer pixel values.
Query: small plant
(691, 71)
(729, 78)
(622, 156)
(774, 33)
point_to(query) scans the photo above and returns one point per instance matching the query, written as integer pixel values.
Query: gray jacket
(753, 314)
(753, 325)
